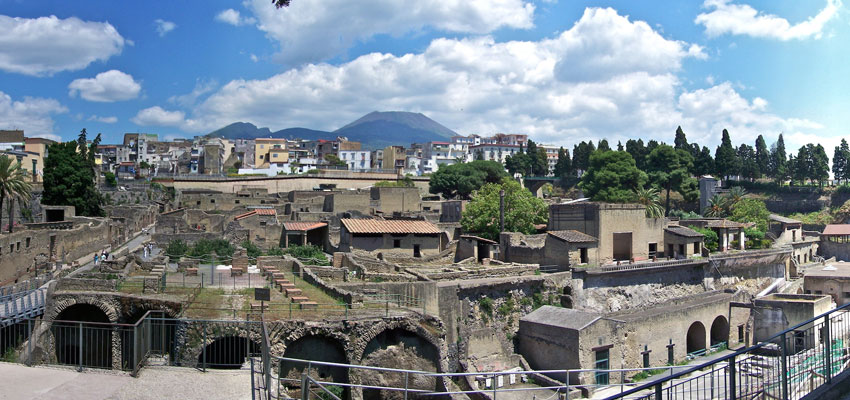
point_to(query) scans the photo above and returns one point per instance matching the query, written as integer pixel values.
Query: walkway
(135, 243)
(45, 383)
(21, 306)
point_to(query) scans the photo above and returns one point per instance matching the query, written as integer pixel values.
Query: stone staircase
(293, 293)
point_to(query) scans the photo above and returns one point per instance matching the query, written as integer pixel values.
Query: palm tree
(13, 185)
(717, 206)
(735, 194)
(649, 198)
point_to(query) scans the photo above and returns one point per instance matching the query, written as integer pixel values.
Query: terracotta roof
(784, 220)
(836, 230)
(258, 211)
(388, 226)
(303, 226)
(246, 215)
(682, 231)
(479, 239)
(572, 236)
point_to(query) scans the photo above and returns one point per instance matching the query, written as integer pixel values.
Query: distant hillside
(374, 130)
(241, 130)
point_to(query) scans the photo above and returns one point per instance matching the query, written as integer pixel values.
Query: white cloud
(157, 116)
(105, 120)
(46, 45)
(622, 84)
(254, 57)
(163, 27)
(232, 17)
(109, 86)
(191, 98)
(34, 115)
(742, 19)
(319, 30)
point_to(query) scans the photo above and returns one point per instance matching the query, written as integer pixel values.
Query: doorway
(622, 245)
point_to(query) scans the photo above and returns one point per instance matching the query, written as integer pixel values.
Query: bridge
(23, 300)
(535, 183)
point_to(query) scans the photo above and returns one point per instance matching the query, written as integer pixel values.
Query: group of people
(99, 258)
(148, 249)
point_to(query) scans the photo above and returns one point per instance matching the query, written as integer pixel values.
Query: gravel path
(45, 383)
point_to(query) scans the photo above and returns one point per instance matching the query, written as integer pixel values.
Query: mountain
(241, 130)
(381, 129)
(374, 130)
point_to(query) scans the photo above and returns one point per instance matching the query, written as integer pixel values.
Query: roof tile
(389, 226)
(573, 236)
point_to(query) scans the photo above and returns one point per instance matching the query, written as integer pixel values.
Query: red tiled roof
(265, 211)
(389, 226)
(303, 226)
(246, 215)
(837, 230)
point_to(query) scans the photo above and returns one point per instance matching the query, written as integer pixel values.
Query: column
(741, 239)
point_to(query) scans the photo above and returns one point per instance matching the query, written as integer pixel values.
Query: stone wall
(829, 249)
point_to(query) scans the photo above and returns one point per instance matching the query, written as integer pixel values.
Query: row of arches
(89, 341)
(696, 338)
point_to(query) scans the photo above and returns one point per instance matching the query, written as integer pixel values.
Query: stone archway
(719, 330)
(696, 338)
(316, 347)
(83, 336)
(227, 352)
(399, 348)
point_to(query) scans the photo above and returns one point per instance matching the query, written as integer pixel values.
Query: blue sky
(561, 71)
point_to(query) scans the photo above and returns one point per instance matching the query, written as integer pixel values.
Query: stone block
(309, 305)
(292, 292)
(299, 299)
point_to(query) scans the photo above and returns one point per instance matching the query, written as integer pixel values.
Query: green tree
(638, 152)
(519, 163)
(718, 206)
(725, 159)
(251, 249)
(563, 167)
(69, 178)
(748, 162)
(581, 156)
(538, 163)
(612, 177)
(751, 210)
(840, 159)
(522, 210)
(681, 141)
(703, 162)
(460, 180)
(762, 156)
(14, 185)
(669, 168)
(649, 198)
(802, 165)
(710, 238)
(334, 161)
(820, 163)
(110, 180)
(779, 161)
(603, 145)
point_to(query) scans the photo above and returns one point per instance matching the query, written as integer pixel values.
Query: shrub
(507, 307)
(486, 305)
(310, 254)
(205, 249)
(710, 238)
(252, 249)
(275, 251)
(110, 180)
(755, 239)
(176, 248)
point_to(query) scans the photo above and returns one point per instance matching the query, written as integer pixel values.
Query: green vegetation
(176, 248)
(711, 238)
(684, 214)
(750, 210)
(649, 198)
(312, 255)
(522, 210)
(144, 165)
(646, 374)
(755, 239)
(822, 217)
(14, 185)
(69, 177)
(533, 162)
(404, 182)
(252, 249)
(612, 176)
(109, 179)
(275, 251)
(336, 392)
(334, 161)
(669, 168)
(212, 250)
(507, 307)
(486, 305)
(461, 180)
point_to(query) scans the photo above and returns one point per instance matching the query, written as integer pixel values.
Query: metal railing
(26, 285)
(789, 365)
(640, 265)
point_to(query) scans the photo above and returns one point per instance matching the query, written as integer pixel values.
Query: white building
(357, 160)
